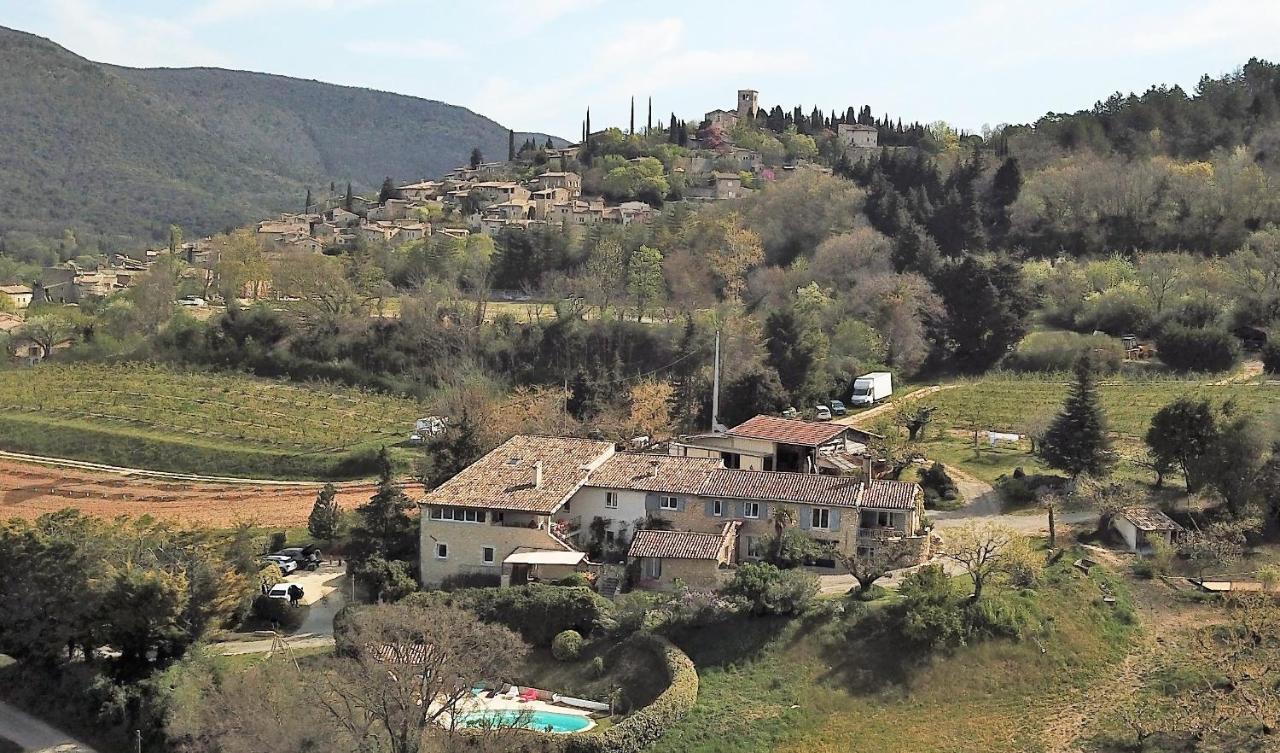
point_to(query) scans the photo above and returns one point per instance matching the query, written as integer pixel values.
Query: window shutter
(681, 504)
(835, 518)
(709, 508)
(651, 502)
(806, 517)
(737, 509)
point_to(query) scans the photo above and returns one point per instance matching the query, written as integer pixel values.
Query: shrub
(769, 590)
(1142, 568)
(470, 580)
(629, 612)
(576, 579)
(1059, 351)
(641, 729)
(939, 488)
(276, 612)
(997, 617)
(1021, 489)
(794, 549)
(1271, 357)
(597, 666)
(1119, 310)
(567, 645)
(278, 541)
(537, 611)
(1191, 349)
(931, 614)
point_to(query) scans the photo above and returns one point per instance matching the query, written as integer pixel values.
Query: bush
(794, 549)
(276, 612)
(769, 590)
(576, 579)
(641, 729)
(997, 617)
(1271, 357)
(567, 645)
(1060, 351)
(1142, 568)
(1019, 488)
(597, 666)
(1191, 349)
(538, 612)
(931, 614)
(278, 541)
(939, 488)
(470, 580)
(1119, 310)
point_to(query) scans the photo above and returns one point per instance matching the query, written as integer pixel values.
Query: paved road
(31, 734)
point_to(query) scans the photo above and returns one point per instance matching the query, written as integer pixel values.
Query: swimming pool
(542, 721)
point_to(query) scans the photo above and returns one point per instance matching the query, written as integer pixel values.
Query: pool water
(542, 721)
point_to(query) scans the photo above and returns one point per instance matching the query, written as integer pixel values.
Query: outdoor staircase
(609, 586)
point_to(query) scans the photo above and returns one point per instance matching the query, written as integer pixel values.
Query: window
(731, 459)
(459, 514)
(486, 555)
(755, 547)
(652, 567)
(669, 503)
(442, 550)
(717, 508)
(611, 500)
(820, 517)
(750, 509)
(877, 519)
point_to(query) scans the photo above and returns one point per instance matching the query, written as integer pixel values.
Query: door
(519, 575)
(652, 568)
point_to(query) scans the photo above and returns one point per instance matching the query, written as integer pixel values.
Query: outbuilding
(1140, 526)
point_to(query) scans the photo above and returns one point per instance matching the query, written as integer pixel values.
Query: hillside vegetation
(116, 155)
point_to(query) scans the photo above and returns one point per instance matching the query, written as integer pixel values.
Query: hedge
(641, 729)
(538, 612)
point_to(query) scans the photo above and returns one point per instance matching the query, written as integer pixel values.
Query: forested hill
(121, 153)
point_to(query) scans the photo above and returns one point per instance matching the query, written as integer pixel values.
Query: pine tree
(325, 521)
(385, 528)
(1077, 440)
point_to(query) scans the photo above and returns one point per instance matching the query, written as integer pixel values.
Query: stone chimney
(537, 475)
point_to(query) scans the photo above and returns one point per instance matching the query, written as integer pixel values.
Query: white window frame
(668, 503)
(611, 500)
(820, 518)
(441, 545)
(653, 567)
(751, 510)
(753, 543)
(717, 508)
(492, 559)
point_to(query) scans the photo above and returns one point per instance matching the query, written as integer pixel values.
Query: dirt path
(1247, 371)
(1165, 624)
(983, 503)
(861, 419)
(29, 490)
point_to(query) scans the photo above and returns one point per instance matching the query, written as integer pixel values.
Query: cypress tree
(1077, 440)
(632, 130)
(511, 145)
(307, 205)
(476, 157)
(587, 138)
(348, 201)
(648, 123)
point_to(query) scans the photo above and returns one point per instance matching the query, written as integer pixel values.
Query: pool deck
(483, 703)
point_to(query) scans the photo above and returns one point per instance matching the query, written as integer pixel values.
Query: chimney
(537, 475)
(653, 467)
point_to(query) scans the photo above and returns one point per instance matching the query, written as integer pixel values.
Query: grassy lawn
(821, 685)
(216, 424)
(1012, 403)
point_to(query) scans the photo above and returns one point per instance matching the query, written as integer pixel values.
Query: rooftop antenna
(716, 426)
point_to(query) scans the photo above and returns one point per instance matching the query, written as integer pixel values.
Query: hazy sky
(537, 64)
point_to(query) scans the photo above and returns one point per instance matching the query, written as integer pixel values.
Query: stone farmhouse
(17, 296)
(529, 509)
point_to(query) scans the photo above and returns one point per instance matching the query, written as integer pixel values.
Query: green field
(197, 422)
(1015, 404)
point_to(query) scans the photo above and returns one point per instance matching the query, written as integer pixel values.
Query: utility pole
(715, 388)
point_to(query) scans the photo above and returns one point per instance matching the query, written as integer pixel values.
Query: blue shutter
(681, 504)
(709, 508)
(835, 518)
(651, 503)
(737, 509)
(806, 518)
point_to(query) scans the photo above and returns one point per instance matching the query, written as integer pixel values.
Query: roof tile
(788, 430)
(504, 478)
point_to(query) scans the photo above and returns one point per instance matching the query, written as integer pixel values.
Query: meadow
(159, 418)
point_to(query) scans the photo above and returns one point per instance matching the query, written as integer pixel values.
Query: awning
(545, 557)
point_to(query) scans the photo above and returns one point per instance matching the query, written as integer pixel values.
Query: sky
(536, 65)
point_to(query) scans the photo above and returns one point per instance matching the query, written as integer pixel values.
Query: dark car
(307, 557)
(837, 408)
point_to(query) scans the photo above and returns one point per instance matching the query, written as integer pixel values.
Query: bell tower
(748, 103)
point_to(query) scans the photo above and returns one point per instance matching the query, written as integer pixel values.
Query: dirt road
(865, 417)
(34, 735)
(28, 490)
(983, 503)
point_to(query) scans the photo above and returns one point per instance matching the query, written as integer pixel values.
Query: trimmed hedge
(641, 729)
(537, 611)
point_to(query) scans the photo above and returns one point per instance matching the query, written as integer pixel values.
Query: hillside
(122, 153)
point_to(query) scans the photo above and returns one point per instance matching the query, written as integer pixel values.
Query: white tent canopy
(545, 557)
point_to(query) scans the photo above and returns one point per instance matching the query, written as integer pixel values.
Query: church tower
(748, 103)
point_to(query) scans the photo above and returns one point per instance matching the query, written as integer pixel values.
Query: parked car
(790, 413)
(281, 591)
(837, 408)
(425, 428)
(307, 557)
(286, 564)
(192, 300)
(822, 413)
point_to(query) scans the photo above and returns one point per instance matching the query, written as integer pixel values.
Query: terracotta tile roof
(890, 495)
(1150, 519)
(504, 478)
(653, 473)
(787, 430)
(778, 486)
(685, 545)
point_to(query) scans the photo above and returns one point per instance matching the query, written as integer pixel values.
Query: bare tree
(882, 555)
(406, 670)
(982, 549)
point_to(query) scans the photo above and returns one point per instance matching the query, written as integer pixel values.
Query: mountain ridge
(116, 154)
